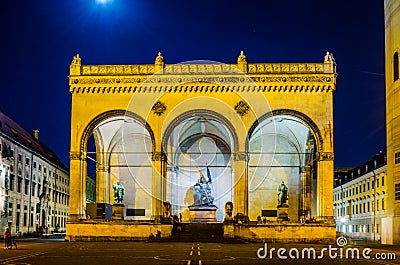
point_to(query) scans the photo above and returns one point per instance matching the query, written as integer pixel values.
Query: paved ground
(43, 252)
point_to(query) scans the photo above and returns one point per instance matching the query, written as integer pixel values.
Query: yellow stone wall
(106, 231)
(392, 45)
(289, 233)
(304, 90)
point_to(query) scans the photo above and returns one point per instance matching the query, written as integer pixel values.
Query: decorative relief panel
(242, 108)
(159, 108)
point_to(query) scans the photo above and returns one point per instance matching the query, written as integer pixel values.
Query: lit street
(60, 253)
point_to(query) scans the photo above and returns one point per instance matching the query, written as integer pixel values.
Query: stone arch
(308, 122)
(109, 114)
(296, 171)
(201, 112)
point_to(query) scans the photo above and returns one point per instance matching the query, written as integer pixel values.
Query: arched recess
(87, 132)
(199, 142)
(124, 145)
(282, 146)
(307, 120)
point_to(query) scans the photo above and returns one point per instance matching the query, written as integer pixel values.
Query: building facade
(391, 226)
(360, 199)
(34, 182)
(158, 127)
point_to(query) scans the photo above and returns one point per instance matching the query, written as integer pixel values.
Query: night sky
(39, 39)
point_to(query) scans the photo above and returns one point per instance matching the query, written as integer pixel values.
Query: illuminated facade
(360, 199)
(391, 224)
(34, 182)
(157, 127)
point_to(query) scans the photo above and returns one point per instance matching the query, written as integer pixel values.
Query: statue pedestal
(203, 213)
(283, 213)
(118, 211)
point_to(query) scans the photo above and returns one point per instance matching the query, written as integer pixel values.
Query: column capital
(158, 156)
(77, 156)
(102, 168)
(240, 156)
(325, 156)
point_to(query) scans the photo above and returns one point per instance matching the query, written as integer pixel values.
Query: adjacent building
(391, 234)
(34, 194)
(360, 199)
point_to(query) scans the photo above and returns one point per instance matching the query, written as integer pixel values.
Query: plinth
(118, 211)
(203, 213)
(283, 213)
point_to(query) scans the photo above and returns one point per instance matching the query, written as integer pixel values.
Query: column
(77, 203)
(325, 176)
(306, 202)
(241, 192)
(158, 184)
(102, 183)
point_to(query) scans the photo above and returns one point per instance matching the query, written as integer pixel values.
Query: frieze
(325, 156)
(253, 68)
(234, 79)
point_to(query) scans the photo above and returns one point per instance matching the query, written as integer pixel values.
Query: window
(40, 167)
(397, 158)
(368, 207)
(26, 186)
(377, 182)
(19, 184)
(397, 191)
(395, 66)
(19, 157)
(27, 161)
(377, 204)
(368, 185)
(383, 181)
(383, 203)
(12, 182)
(34, 164)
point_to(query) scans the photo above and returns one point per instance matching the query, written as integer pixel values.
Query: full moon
(103, 2)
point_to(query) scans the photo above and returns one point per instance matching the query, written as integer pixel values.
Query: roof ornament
(76, 60)
(242, 58)
(159, 59)
(329, 58)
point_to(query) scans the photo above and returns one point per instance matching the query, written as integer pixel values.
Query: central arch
(196, 143)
